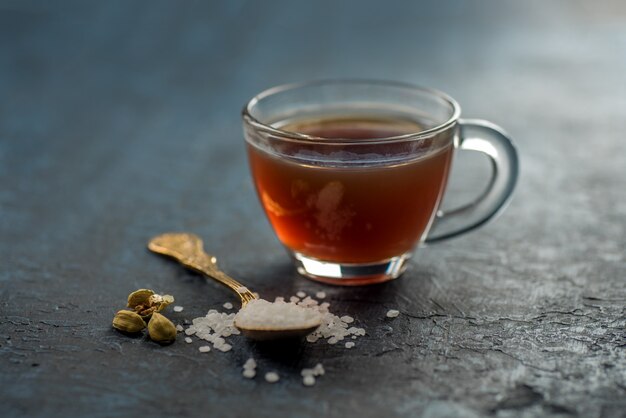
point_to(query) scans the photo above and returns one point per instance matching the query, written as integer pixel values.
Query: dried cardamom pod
(139, 297)
(128, 321)
(161, 329)
(145, 302)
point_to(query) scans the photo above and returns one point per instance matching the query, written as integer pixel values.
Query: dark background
(120, 120)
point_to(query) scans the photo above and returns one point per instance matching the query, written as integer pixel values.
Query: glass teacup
(351, 173)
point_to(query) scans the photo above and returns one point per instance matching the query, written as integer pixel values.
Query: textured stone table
(120, 120)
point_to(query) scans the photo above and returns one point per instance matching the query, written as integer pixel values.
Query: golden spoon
(187, 249)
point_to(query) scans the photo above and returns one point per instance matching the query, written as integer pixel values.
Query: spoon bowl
(269, 334)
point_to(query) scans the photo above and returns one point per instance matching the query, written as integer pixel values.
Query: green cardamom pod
(128, 321)
(161, 329)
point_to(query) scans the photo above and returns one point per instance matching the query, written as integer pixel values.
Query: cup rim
(299, 137)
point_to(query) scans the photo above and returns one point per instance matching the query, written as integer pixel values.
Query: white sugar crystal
(318, 370)
(178, 308)
(228, 305)
(272, 377)
(188, 340)
(349, 344)
(279, 299)
(301, 294)
(278, 315)
(347, 319)
(332, 340)
(179, 328)
(242, 289)
(307, 372)
(308, 380)
(249, 368)
(250, 364)
(356, 331)
(392, 313)
(308, 375)
(294, 299)
(204, 348)
(213, 328)
(320, 295)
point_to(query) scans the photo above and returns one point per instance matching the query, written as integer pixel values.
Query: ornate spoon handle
(187, 249)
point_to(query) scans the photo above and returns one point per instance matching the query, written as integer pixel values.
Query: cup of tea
(350, 173)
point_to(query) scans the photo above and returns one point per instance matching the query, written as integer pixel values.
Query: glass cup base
(349, 274)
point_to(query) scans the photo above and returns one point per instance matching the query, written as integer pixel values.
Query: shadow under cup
(351, 173)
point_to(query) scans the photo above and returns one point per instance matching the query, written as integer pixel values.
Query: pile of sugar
(333, 327)
(279, 315)
(216, 326)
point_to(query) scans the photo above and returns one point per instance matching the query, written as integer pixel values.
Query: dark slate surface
(120, 120)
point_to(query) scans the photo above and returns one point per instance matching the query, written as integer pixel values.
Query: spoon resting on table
(187, 249)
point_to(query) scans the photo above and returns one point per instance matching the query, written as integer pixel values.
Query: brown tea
(351, 213)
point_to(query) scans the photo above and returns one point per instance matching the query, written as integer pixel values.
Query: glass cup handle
(491, 140)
